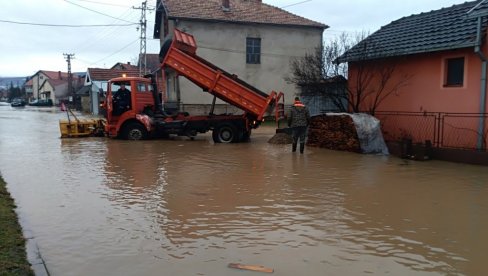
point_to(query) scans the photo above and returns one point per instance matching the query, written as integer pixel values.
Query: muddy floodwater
(98, 206)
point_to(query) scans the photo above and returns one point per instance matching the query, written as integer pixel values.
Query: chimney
(128, 62)
(59, 75)
(226, 5)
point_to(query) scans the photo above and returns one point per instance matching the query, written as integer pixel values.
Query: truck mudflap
(145, 120)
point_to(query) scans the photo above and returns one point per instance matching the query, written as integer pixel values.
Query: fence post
(437, 130)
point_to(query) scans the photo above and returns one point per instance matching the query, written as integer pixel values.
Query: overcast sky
(25, 49)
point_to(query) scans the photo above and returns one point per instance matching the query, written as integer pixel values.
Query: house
(96, 81)
(248, 38)
(431, 69)
(328, 95)
(123, 66)
(29, 89)
(152, 62)
(52, 85)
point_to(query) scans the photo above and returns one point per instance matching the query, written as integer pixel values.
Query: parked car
(42, 102)
(17, 102)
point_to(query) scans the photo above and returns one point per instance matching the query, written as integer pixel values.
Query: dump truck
(142, 115)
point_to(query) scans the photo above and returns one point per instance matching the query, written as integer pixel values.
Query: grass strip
(13, 257)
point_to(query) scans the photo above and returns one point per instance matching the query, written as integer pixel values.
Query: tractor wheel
(134, 131)
(225, 133)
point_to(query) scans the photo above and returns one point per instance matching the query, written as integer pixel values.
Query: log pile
(333, 132)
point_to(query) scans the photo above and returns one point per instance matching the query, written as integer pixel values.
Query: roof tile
(241, 11)
(100, 74)
(438, 30)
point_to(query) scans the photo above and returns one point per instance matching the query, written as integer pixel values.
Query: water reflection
(191, 207)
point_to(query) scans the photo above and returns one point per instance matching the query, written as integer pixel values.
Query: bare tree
(370, 80)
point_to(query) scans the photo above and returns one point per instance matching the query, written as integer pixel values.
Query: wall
(37, 81)
(425, 90)
(224, 44)
(426, 94)
(60, 93)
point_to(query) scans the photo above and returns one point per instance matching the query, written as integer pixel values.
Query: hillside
(16, 81)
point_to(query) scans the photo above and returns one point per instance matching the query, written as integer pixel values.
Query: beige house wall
(37, 81)
(224, 44)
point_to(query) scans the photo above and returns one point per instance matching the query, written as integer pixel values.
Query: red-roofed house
(251, 39)
(29, 89)
(124, 66)
(51, 85)
(96, 79)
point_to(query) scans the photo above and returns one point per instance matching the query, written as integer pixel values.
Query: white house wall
(60, 93)
(37, 81)
(224, 44)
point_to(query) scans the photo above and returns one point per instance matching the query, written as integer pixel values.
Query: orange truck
(139, 114)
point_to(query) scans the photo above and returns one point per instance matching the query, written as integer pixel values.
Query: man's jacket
(299, 115)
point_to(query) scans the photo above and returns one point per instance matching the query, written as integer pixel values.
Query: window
(253, 50)
(141, 87)
(454, 72)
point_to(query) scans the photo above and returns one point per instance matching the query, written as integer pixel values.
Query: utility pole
(71, 93)
(142, 51)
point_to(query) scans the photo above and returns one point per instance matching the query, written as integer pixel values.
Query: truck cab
(129, 102)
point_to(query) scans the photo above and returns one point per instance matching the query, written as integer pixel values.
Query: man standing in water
(298, 121)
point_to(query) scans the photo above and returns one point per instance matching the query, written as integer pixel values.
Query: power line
(295, 4)
(116, 52)
(65, 25)
(100, 36)
(101, 13)
(103, 3)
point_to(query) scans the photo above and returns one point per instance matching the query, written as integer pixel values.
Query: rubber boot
(294, 147)
(302, 147)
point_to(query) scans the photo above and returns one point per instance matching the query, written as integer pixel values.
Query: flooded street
(99, 206)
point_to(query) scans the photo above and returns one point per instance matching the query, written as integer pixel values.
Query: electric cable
(66, 25)
(116, 52)
(101, 13)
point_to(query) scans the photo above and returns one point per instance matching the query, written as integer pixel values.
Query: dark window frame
(253, 50)
(454, 71)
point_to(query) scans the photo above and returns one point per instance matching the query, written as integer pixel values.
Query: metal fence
(320, 104)
(444, 130)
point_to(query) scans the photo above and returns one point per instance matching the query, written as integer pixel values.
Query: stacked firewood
(333, 132)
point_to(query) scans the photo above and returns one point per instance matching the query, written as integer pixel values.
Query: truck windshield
(118, 86)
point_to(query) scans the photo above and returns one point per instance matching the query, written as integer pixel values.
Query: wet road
(97, 206)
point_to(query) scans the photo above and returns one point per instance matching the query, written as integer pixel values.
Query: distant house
(29, 89)
(445, 54)
(152, 62)
(248, 38)
(96, 80)
(329, 95)
(54, 89)
(123, 66)
(52, 85)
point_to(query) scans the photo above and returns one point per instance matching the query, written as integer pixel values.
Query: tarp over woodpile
(348, 132)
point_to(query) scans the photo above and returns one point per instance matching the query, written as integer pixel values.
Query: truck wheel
(225, 133)
(134, 131)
